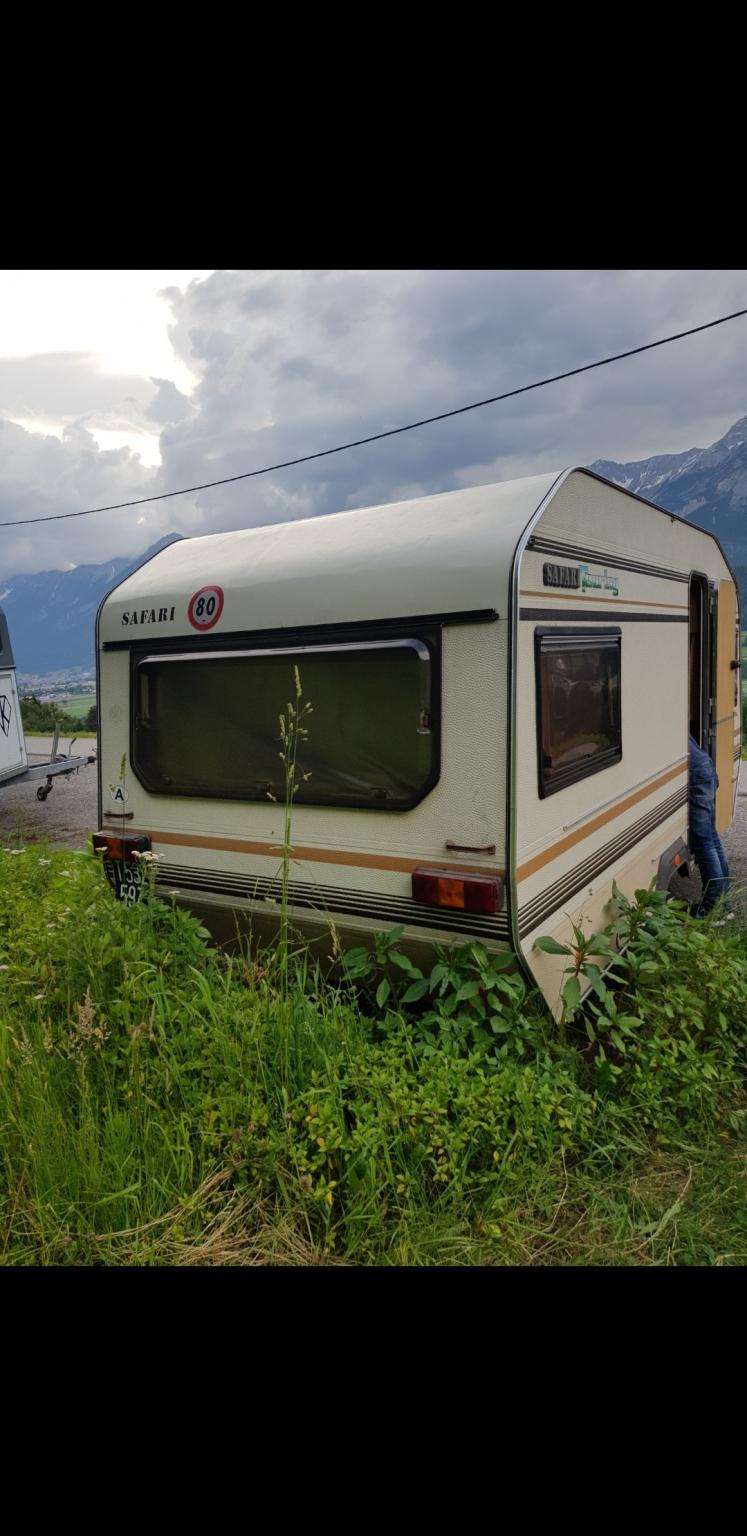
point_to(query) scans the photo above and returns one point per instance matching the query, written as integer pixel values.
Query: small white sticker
(118, 793)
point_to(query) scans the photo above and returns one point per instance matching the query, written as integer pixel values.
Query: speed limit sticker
(206, 607)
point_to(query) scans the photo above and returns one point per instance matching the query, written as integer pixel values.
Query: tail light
(450, 888)
(115, 846)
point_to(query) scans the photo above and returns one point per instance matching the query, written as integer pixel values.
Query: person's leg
(723, 861)
(703, 845)
(705, 853)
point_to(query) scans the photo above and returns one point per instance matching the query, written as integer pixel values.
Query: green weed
(163, 1103)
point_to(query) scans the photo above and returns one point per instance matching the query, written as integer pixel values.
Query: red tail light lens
(114, 846)
(449, 888)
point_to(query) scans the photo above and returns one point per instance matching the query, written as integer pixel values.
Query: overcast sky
(120, 384)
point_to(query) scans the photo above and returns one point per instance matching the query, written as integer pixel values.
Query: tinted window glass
(578, 705)
(208, 724)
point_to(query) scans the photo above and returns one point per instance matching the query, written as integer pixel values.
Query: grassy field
(77, 704)
(31, 736)
(161, 1103)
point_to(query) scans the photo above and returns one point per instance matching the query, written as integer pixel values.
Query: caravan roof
(435, 554)
(450, 553)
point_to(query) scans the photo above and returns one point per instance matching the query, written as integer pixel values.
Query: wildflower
(38, 997)
(45, 862)
(14, 851)
(4, 967)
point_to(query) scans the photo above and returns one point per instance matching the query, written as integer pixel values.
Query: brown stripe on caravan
(596, 557)
(548, 854)
(311, 855)
(611, 602)
(587, 615)
(547, 902)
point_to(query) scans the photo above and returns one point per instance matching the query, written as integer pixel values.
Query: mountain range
(706, 485)
(52, 614)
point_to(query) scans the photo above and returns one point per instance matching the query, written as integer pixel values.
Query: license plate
(127, 883)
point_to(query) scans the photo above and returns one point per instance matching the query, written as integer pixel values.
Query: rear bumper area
(328, 923)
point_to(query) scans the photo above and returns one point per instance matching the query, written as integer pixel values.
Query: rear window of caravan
(579, 725)
(207, 724)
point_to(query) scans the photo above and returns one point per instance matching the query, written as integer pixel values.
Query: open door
(726, 712)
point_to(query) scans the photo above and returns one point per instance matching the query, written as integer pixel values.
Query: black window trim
(369, 637)
(574, 639)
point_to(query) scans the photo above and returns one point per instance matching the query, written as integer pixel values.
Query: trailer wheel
(41, 793)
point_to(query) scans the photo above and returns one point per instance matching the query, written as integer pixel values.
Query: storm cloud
(289, 362)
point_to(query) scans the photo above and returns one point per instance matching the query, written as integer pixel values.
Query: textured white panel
(467, 806)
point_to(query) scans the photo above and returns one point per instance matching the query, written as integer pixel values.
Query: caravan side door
(726, 703)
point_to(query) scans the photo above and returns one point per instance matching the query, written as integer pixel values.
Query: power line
(360, 442)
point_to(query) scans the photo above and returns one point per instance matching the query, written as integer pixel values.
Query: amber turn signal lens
(449, 888)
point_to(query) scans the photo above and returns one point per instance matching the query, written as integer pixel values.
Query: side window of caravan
(578, 704)
(206, 724)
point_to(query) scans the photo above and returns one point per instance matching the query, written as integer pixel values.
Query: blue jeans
(707, 850)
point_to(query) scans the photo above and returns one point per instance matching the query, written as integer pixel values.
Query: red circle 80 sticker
(206, 607)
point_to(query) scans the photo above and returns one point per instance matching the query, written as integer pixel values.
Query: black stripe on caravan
(576, 615)
(621, 562)
(548, 901)
(291, 635)
(332, 900)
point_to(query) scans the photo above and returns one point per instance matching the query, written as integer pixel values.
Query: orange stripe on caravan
(311, 855)
(570, 841)
(612, 602)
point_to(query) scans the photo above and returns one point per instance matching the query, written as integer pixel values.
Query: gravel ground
(67, 817)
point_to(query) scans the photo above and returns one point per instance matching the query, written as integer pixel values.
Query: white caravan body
(502, 682)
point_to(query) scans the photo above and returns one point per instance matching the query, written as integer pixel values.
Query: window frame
(580, 638)
(364, 638)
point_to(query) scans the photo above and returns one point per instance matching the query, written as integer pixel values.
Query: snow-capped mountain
(706, 485)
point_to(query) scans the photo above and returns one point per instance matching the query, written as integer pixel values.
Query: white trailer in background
(502, 679)
(13, 759)
(14, 766)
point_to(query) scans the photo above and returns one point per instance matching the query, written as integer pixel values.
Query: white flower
(45, 861)
(38, 996)
(4, 967)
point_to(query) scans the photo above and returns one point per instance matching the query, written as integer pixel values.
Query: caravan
(502, 682)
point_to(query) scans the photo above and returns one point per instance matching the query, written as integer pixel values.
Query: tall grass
(161, 1103)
